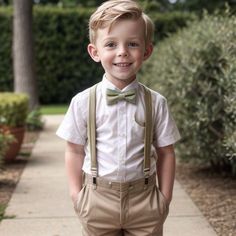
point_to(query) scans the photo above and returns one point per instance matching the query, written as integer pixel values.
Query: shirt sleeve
(165, 129)
(74, 126)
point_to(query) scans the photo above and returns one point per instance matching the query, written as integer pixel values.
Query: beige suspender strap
(92, 132)
(148, 132)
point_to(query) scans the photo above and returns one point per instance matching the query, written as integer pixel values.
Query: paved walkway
(41, 205)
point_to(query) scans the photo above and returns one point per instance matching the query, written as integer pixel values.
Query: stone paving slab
(187, 226)
(42, 166)
(42, 206)
(47, 197)
(181, 204)
(41, 227)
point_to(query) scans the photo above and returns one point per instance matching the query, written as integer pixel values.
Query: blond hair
(114, 10)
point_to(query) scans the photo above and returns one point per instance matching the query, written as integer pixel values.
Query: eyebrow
(114, 38)
(108, 38)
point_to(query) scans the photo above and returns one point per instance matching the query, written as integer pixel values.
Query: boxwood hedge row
(196, 70)
(61, 38)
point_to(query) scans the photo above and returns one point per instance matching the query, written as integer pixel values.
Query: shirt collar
(108, 84)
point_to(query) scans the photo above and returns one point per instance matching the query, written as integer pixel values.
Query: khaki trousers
(114, 209)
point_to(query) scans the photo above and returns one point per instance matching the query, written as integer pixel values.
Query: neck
(121, 84)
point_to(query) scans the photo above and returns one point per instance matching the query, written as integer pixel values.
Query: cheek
(107, 57)
(139, 57)
(106, 61)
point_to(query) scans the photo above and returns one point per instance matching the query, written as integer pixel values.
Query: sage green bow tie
(114, 96)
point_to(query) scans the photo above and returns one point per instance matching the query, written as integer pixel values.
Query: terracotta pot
(14, 148)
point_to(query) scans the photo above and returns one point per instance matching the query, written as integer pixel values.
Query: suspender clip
(94, 183)
(145, 182)
(94, 177)
(95, 180)
(146, 174)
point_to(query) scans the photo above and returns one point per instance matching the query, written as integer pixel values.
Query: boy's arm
(74, 158)
(166, 170)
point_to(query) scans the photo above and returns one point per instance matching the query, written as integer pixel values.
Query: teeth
(122, 64)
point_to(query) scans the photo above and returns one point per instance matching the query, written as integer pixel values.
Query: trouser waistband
(121, 186)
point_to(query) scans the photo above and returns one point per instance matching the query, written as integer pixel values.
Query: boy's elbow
(74, 148)
(166, 152)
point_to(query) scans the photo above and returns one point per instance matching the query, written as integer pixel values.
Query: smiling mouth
(122, 64)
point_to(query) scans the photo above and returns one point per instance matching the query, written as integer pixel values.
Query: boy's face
(121, 51)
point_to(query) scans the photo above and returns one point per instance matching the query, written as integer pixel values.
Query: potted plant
(6, 138)
(13, 114)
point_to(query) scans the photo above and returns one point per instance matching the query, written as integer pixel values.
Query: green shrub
(34, 120)
(13, 109)
(62, 62)
(6, 138)
(169, 23)
(61, 38)
(196, 70)
(6, 73)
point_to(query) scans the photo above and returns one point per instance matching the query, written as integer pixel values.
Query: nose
(122, 51)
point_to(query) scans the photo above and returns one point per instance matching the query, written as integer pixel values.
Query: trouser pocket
(162, 211)
(162, 205)
(79, 200)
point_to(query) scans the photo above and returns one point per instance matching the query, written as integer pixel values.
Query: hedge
(62, 62)
(6, 73)
(196, 70)
(168, 23)
(6, 138)
(13, 109)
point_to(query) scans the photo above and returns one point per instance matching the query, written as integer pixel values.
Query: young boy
(114, 131)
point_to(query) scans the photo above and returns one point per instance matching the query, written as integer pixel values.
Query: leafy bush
(169, 23)
(6, 73)
(34, 120)
(196, 70)
(62, 62)
(6, 138)
(13, 109)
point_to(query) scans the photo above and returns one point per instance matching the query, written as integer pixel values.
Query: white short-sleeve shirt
(119, 131)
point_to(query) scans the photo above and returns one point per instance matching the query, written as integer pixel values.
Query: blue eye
(133, 44)
(110, 45)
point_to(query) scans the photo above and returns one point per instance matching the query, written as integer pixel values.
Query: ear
(93, 52)
(148, 51)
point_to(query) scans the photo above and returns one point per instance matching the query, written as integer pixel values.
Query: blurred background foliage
(149, 5)
(63, 65)
(196, 70)
(193, 65)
